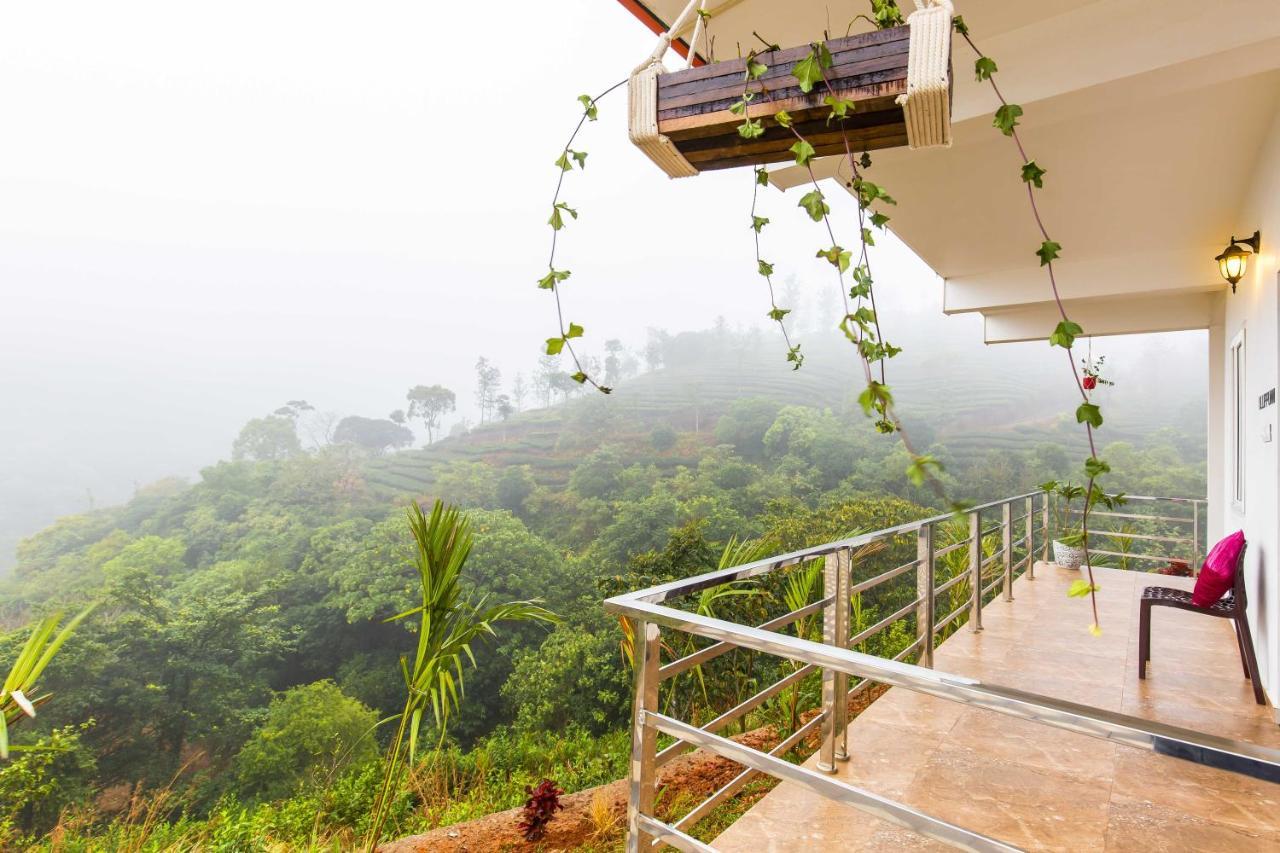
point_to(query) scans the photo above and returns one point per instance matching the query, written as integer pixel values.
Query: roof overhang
(1149, 118)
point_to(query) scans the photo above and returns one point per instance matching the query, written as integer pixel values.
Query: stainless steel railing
(1170, 527)
(977, 567)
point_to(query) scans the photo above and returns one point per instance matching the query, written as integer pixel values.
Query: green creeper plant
(448, 625)
(18, 697)
(1064, 335)
(568, 158)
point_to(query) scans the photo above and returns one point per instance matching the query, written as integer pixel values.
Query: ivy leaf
(1007, 118)
(588, 106)
(575, 331)
(918, 470)
(1095, 629)
(879, 219)
(738, 107)
(867, 238)
(804, 152)
(1065, 334)
(579, 377)
(563, 162)
(765, 268)
(783, 118)
(812, 202)
(984, 68)
(1080, 588)
(762, 176)
(552, 278)
(865, 160)
(557, 221)
(836, 256)
(750, 129)
(1048, 252)
(758, 222)
(1089, 413)
(958, 24)
(1095, 467)
(755, 70)
(778, 313)
(581, 157)
(808, 72)
(794, 356)
(874, 398)
(554, 346)
(1033, 174)
(840, 107)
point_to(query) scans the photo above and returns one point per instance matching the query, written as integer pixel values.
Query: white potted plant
(1068, 531)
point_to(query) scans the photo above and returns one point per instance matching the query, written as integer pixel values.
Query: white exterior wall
(1253, 308)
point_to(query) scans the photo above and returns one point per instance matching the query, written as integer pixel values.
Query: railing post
(1031, 538)
(924, 592)
(1194, 563)
(835, 685)
(646, 639)
(975, 570)
(1045, 522)
(1006, 542)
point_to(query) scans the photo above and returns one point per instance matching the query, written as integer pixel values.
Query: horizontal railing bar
(714, 650)
(820, 783)
(1133, 515)
(1197, 747)
(1160, 558)
(995, 583)
(1118, 534)
(963, 576)
(991, 558)
(738, 710)
(1158, 498)
(951, 617)
(740, 781)
(879, 579)
(666, 834)
(664, 592)
(954, 546)
(902, 654)
(868, 633)
(992, 530)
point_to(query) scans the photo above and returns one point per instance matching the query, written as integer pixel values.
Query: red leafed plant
(542, 805)
(1178, 568)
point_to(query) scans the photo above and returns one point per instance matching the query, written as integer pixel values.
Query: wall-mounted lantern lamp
(1234, 259)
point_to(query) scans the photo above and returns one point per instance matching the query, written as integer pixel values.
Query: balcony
(1006, 724)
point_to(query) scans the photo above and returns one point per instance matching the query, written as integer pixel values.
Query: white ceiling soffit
(1148, 116)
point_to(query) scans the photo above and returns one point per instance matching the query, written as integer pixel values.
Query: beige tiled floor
(1041, 788)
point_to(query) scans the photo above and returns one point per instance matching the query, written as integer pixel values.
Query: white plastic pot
(1067, 556)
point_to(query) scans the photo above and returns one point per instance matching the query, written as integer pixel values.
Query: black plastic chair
(1233, 606)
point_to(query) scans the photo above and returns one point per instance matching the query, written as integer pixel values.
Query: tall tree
(265, 439)
(519, 390)
(488, 379)
(372, 434)
(429, 403)
(612, 362)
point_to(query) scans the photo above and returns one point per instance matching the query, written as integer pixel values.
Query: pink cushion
(1219, 571)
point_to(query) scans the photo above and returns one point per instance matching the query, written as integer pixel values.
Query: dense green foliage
(240, 656)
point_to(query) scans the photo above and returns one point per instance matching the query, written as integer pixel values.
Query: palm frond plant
(18, 697)
(448, 625)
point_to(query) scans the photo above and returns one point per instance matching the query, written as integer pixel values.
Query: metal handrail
(838, 663)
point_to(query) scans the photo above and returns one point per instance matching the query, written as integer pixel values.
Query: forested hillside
(229, 686)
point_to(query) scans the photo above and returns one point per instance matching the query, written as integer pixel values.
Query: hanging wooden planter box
(869, 69)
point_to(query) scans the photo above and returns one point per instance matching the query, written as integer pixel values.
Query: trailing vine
(860, 323)
(559, 209)
(1067, 331)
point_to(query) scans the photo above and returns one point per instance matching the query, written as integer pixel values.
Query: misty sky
(207, 210)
